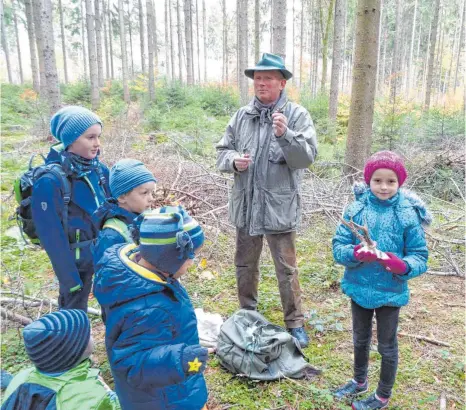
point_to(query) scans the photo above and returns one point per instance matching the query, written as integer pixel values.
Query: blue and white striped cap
(168, 236)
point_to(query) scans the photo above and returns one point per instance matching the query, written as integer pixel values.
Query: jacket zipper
(78, 237)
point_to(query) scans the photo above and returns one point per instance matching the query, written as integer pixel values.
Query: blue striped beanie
(128, 174)
(69, 123)
(57, 341)
(168, 236)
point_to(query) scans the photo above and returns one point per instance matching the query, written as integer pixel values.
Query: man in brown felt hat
(267, 145)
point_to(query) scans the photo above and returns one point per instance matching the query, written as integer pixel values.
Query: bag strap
(31, 160)
(119, 226)
(103, 181)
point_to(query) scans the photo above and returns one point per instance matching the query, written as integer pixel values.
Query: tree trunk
(197, 47)
(172, 43)
(18, 48)
(32, 45)
(155, 41)
(257, 35)
(317, 44)
(189, 41)
(104, 22)
(395, 75)
(63, 41)
(411, 51)
(460, 49)
(180, 42)
(124, 58)
(359, 141)
(98, 43)
(50, 65)
(325, 36)
(130, 32)
(301, 46)
(110, 39)
(384, 59)
(141, 35)
(150, 46)
(167, 43)
(430, 68)
(336, 61)
(293, 45)
(204, 25)
(37, 12)
(93, 73)
(243, 50)
(83, 40)
(271, 25)
(279, 10)
(416, 59)
(225, 43)
(5, 45)
(377, 81)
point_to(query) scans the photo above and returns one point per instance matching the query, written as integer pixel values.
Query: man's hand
(279, 123)
(242, 163)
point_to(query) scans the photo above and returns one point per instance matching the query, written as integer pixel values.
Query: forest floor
(426, 370)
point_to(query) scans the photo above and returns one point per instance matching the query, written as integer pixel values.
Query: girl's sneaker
(372, 402)
(352, 388)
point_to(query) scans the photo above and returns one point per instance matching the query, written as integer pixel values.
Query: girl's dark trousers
(387, 325)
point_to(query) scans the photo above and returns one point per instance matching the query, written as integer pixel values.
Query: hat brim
(249, 72)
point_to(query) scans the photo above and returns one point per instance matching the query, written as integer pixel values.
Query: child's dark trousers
(387, 324)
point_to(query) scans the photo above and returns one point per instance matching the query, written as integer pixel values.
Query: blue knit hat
(69, 123)
(57, 341)
(128, 174)
(169, 236)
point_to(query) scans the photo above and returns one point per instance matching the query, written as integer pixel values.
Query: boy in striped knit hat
(151, 329)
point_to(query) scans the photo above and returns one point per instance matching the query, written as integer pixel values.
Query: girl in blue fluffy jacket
(377, 282)
(78, 131)
(151, 330)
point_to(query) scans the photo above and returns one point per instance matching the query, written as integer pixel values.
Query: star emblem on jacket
(195, 365)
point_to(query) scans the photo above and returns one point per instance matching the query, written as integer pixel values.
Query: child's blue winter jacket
(396, 225)
(47, 207)
(114, 234)
(149, 322)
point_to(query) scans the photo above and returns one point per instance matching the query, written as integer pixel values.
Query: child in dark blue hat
(131, 186)
(67, 237)
(59, 345)
(151, 329)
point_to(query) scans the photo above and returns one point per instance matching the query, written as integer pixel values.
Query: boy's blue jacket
(149, 322)
(108, 237)
(396, 225)
(47, 205)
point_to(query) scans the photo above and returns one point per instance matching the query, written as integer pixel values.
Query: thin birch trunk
(141, 35)
(150, 46)
(124, 58)
(32, 46)
(18, 48)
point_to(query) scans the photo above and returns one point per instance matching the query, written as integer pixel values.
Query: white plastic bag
(208, 327)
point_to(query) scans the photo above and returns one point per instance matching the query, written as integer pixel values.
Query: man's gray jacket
(266, 197)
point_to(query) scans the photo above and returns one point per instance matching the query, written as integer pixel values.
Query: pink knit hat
(385, 159)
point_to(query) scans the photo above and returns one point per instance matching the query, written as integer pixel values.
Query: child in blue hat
(131, 185)
(151, 329)
(59, 345)
(78, 131)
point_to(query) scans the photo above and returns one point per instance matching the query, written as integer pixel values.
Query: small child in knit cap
(151, 328)
(59, 345)
(376, 280)
(131, 185)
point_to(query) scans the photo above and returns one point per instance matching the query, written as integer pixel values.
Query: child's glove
(194, 359)
(363, 256)
(394, 264)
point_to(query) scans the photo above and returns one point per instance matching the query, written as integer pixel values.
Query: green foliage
(219, 101)
(440, 123)
(329, 322)
(111, 108)
(172, 96)
(18, 104)
(113, 88)
(153, 118)
(78, 93)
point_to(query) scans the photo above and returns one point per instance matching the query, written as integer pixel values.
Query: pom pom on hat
(128, 174)
(56, 342)
(69, 123)
(388, 160)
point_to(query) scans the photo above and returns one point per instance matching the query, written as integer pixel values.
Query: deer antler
(355, 228)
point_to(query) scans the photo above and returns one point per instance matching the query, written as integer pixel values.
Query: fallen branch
(6, 314)
(443, 401)
(425, 339)
(20, 300)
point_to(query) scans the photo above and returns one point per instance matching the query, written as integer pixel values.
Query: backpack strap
(119, 226)
(57, 170)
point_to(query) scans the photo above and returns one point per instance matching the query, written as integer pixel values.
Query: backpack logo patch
(43, 205)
